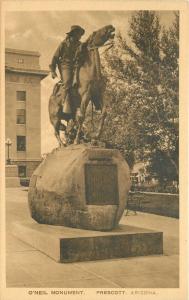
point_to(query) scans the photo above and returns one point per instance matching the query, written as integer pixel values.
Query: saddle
(59, 96)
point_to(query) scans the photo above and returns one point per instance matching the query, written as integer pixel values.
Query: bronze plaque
(101, 187)
(102, 154)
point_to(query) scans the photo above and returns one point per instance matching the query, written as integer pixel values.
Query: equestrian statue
(81, 82)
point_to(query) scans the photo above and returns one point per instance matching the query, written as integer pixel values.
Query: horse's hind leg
(57, 134)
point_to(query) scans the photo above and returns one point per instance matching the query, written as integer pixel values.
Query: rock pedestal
(80, 186)
(11, 175)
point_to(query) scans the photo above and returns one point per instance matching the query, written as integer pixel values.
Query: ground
(27, 267)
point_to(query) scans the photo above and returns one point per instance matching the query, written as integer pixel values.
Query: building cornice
(41, 73)
(25, 52)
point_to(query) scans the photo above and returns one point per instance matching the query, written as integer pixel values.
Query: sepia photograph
(93, 191)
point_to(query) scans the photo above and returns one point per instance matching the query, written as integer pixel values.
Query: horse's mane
(89, 40)
(83, 51)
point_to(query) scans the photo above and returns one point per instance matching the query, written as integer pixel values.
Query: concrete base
(65, 244)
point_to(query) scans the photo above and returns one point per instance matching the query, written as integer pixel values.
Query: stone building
(23, 108)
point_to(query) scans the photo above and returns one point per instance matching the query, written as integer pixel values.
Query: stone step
(65, 244)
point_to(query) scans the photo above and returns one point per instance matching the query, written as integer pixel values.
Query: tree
(170, 88)
(142, 93)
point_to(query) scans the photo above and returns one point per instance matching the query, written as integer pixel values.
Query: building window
(21, 95)
(20, 116)
(21, 143)
(22, 171)
(20, 60)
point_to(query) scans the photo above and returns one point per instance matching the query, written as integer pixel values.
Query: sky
(42, 31)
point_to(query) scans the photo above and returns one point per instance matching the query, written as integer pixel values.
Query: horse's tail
(54, 106)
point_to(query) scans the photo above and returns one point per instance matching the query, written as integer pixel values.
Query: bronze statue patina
(87, 85)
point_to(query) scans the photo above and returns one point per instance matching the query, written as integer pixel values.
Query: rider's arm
(56, 57)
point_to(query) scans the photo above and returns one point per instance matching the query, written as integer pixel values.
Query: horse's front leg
(101, 125)
(80, 116)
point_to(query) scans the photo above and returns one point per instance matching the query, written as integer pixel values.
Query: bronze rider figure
(65, 57)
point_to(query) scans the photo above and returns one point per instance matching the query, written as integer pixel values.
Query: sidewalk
(27, 267)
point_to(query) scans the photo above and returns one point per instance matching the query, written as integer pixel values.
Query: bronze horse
(90, 87)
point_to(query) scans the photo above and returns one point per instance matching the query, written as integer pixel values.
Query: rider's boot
(66, 106)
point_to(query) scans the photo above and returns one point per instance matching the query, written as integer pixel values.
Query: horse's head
(101, 36)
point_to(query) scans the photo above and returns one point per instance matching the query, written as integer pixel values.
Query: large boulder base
(80, 186)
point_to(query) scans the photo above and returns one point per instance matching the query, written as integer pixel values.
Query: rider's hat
(76, 28)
